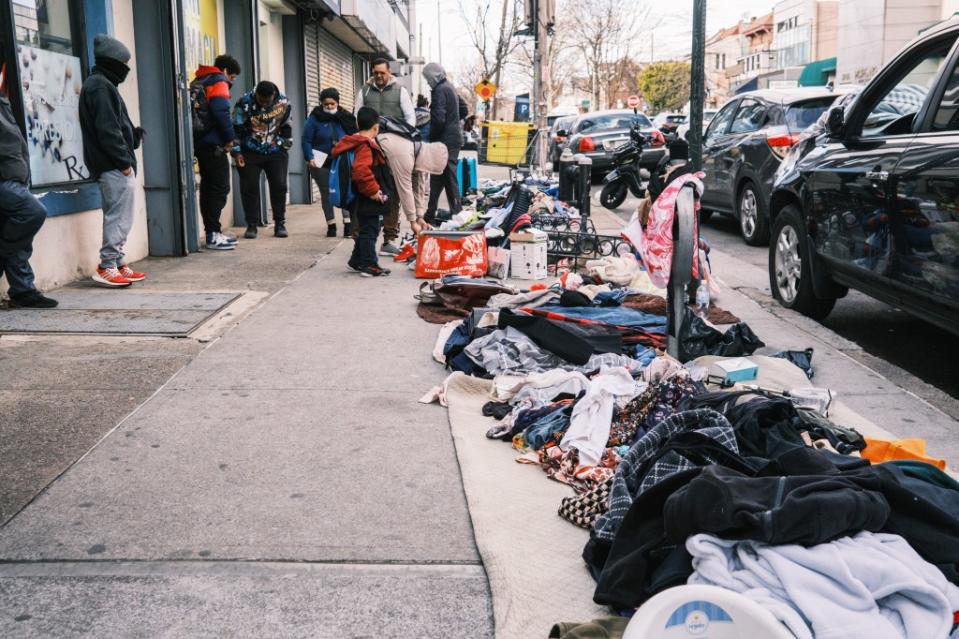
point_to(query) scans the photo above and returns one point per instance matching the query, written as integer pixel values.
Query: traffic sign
(633, 101)
(485, 90)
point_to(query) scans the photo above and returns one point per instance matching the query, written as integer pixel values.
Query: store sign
(51, 97)
(201, 30)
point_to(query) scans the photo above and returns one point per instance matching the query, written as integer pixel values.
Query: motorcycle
(626, 176)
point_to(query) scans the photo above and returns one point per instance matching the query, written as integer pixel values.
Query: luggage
(451, 253)
(466, 175)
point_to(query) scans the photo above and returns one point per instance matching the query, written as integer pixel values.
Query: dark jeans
(21, 216)
(322, 178)
(274, 165)
(364, 249)
(447, 180)
(214, 184)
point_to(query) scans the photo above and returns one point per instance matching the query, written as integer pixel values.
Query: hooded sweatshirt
(14, 154)
(444, 109)
(109, 139)
(217, 90)
(369, 171)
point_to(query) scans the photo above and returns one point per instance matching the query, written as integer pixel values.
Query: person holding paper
(327, 124)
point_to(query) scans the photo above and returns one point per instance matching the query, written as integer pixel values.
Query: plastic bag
(802, 359)
(451, 253)
(697, 338)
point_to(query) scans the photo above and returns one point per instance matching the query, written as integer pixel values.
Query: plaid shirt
(630, 481)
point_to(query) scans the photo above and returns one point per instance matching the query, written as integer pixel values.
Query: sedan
(598, 134)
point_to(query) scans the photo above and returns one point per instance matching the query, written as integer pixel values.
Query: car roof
(788, 96)
(614, 112)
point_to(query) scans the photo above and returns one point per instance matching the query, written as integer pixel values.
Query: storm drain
(119, 312)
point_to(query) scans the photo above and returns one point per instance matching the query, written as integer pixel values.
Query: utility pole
(697, 85)
(543, 16)
(439, 30)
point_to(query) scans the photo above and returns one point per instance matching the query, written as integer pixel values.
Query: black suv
(875, 204)
(743, 146)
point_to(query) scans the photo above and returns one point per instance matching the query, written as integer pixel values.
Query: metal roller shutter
(336, 67)
(312, 68)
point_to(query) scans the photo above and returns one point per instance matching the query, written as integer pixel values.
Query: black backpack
(200, 109)
(464, 109)
(389, 124)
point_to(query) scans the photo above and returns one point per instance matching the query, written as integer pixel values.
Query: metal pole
(542, 73)
(697, 85)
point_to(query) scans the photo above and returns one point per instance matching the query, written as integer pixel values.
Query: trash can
(506, 142)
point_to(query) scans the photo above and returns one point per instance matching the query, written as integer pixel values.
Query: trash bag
(697, 338)
(802, 359)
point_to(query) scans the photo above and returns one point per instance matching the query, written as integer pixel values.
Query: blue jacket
(323, 130)
(217, 90)
(263, 130)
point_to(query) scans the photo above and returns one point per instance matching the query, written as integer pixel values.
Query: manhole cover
(95, 312)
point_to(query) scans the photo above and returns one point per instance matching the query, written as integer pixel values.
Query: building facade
(46, 50)
(723, 50)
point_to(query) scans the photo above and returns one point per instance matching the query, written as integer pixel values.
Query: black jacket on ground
(444, 116)
(14, 154)
(109, 140)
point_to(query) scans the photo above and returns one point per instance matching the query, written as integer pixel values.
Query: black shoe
(250, 232)
(331, 230)
(279, 230)
(347, 229)
(31, 299)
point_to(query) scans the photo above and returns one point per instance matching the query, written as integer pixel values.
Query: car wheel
(613, 195)
(753, 222)
(790, 277)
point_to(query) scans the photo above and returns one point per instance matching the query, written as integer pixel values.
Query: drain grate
(96, 312)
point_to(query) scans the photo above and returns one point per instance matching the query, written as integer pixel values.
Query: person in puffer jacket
(212, 141)
(327, 125)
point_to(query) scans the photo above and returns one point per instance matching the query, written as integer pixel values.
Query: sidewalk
(285, 482)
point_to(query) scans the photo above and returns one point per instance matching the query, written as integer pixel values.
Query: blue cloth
(320, 136)
(21, 216)
(616, 315)
(610, 298)
(539, 432)
(644, 354)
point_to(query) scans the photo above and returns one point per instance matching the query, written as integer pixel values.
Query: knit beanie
(105, 46)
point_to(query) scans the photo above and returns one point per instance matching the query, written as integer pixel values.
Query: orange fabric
(881, 450)
(218, 90)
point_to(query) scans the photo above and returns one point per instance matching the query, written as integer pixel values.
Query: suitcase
(466, 175)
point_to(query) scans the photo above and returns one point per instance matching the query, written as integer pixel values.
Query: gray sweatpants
(118, 192)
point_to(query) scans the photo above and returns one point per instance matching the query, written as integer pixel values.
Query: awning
(816, 74)
(748, 85)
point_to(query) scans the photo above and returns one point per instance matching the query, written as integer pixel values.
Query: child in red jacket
(373, 185)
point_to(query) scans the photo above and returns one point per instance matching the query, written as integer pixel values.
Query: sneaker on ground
(250, 233)
(331, 230)
(31, 299)
(373, 271)
(351, 268)
(229, 237)
(130, 274)
(110, 277)
(219, 242)
(389, 249)
(279, 230)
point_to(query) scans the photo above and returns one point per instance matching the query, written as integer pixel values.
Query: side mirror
(835, 122)
(562, 133)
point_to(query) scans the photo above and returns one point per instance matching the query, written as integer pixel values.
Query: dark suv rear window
(801, 115)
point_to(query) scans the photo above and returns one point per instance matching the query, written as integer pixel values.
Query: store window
(49, 59)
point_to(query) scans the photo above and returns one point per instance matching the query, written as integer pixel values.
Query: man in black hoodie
(444, 127)
(109, 141)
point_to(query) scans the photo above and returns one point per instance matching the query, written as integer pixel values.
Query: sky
(443, 24)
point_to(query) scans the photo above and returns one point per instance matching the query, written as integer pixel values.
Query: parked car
(683, 128)
(557, 136)
(599, 133)
(560, 112)
(743, 146)
(873, 204)
(668, 123)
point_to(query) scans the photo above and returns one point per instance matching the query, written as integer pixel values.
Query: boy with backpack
(361, 180)
(213, 138)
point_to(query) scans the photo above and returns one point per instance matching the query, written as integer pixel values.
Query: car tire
(751, 213)
(613, 195)
(790, 275)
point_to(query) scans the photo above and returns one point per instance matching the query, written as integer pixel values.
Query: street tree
(494, 46)
(665, 85)
(561, 60)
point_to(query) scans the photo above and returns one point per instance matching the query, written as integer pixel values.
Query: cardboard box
(737, 369)
(527, 260)
(529, 235)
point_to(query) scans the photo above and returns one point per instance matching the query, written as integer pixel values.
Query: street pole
(542, 16)
(697, 85)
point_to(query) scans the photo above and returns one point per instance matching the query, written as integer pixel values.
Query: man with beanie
(445, 128)
(262, 122)
(21, 214)
(389, 99)
(327, 125)
(109, 141)
(212, 139)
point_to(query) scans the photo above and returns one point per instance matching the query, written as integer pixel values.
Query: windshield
(563, 123)
(802, 115)
(612, 121)
(708, 115)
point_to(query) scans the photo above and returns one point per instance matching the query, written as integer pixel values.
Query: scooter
(626, 176)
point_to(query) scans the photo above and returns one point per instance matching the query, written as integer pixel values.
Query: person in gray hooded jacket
(109, 142)
(445, 128)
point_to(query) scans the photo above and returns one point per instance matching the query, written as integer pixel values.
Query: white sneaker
(218, 242)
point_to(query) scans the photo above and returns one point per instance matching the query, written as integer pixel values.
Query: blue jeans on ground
(364, 249)
(118, 192)
(21, 216)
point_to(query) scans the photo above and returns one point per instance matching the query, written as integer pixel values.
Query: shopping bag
(442, 253)
(498, 262)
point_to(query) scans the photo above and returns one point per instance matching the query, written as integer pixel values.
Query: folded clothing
(882, 450)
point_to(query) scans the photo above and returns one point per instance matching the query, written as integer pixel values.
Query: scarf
(342, 117)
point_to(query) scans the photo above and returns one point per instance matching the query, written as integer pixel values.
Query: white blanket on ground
(870, 586)
(593, 414)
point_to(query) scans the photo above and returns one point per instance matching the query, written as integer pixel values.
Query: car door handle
(880, 176)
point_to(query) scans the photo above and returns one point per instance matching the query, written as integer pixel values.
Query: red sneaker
(110, 277)
(130, 274)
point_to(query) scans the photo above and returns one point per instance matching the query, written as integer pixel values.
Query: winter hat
(330, 92)
(105, 46)
(434, 74)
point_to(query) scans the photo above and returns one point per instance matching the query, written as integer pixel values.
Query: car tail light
(781, 143)
(657, 139)
(586, 145)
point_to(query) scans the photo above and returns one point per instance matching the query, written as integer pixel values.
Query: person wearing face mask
(327, 125)
(109, 142)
